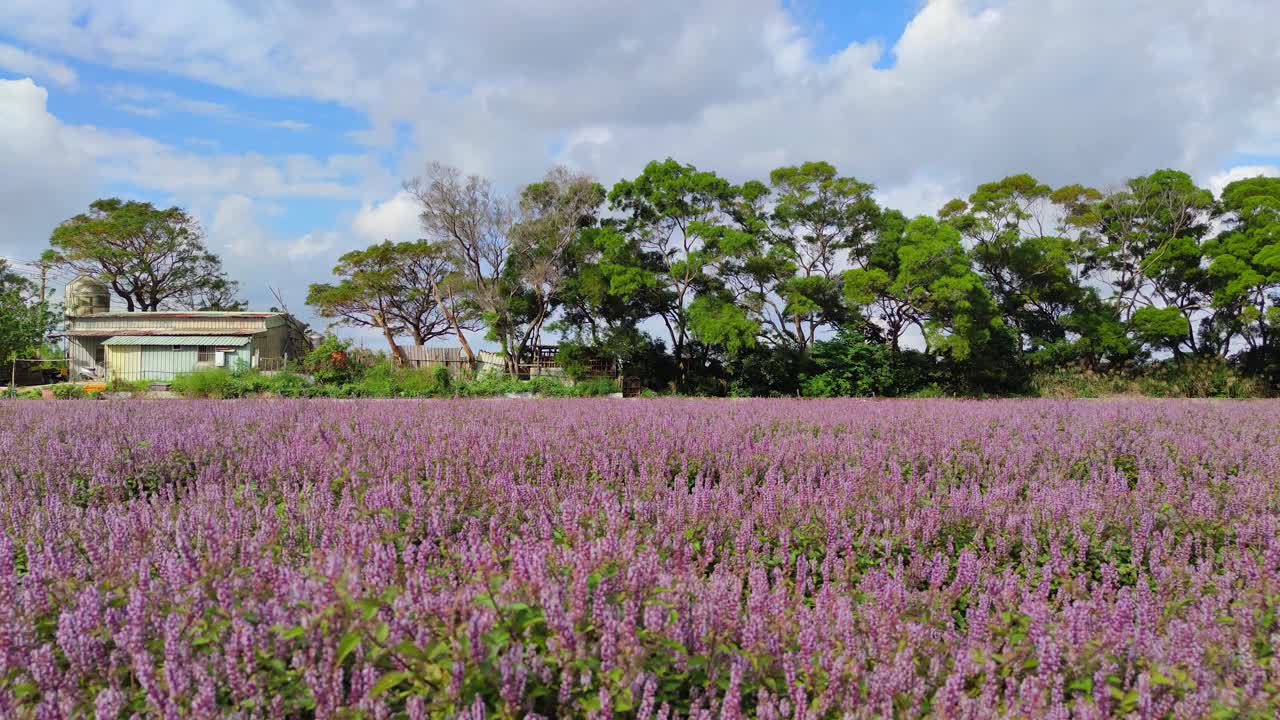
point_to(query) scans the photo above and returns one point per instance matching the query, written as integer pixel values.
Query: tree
(473, 221)
(1161, 328)
(554, 214)
(1029, 267)
(848, 365)
(152, 259)
(819, 220)
(25, 318)
(873, 289)
(387, 287)
(1146, 243)
(1244, 267)
(679, 230)
(934, 274)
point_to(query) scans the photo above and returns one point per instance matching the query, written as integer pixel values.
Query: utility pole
(44, 309)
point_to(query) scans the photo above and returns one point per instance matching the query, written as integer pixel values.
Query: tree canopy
(151, 258)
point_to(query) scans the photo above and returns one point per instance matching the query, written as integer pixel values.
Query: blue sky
(287, 128)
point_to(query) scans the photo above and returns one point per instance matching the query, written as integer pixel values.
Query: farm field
(652, 559)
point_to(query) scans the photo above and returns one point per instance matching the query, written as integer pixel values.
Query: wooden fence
(452, 358)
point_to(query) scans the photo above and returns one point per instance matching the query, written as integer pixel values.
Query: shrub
(135, 386)
(214, 383)
(442, 377)
(331, 362)
(848, 365)
(1196, 377)
(68, 391)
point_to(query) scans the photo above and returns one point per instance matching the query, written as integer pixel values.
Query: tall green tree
(820, 224)
(935, 274)
(555, 213)
(388, 287)
(874, 289)
(152, 258)
(1028, 266)
(1146, 243)
(25, 317)
(680, 231)
(1244, 268)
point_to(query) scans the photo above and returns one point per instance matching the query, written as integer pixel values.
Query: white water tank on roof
(87, 296)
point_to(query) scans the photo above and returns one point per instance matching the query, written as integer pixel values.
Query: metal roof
(157, 332)
(166, 314)
(187, 340)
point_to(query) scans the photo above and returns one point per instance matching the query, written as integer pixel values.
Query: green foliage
(214, 383)
(574, 358)
(1188, 377)
(69, 391)
(442, 378)
(150, 257)
(849, 366)
(1161, 328)
(125, 386)
(24, 319)
(394, 288)
(764, 371)
(331, 362)
(380, 380)
(1199, 376)
(717, 321)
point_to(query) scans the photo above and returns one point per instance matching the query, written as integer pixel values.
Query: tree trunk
(453, 322)
(397, 354)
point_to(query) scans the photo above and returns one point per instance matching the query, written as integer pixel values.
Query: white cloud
(149, 102)
(1218, 181)
(46, 177)
(1079, 90)
(236, 230)
(21, 62)
(311, 245)
(918, 197)
(394, 219)
(1089, 91)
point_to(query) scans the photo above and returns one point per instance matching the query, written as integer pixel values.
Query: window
(177, 348)
(204, 354)
(100, 355)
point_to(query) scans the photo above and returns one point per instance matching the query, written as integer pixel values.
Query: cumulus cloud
(47, 177)
(395, 219)
(1090, 91)
(1218, 181)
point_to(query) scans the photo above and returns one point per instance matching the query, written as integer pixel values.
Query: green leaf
(347, 644)
(388, 681)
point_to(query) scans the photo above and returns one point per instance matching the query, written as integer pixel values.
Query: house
(158, 346)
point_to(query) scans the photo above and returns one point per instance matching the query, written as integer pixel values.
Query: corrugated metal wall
(81, 352)
(141, 321)
(271, 344)
(124, 362)
(162, 363)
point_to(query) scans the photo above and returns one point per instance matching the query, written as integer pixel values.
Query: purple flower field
(650, 559)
